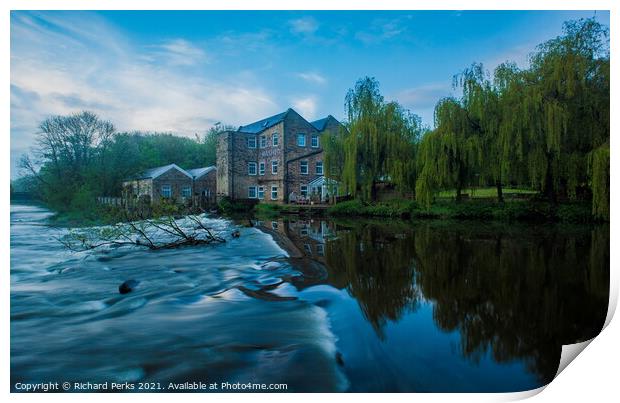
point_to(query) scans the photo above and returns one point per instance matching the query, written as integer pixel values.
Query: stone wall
(176, 179)
(233, 156)
(207, 182)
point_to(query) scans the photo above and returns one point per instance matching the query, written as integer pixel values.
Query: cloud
(305, 25)
(180, 52)
(312, 77)
(381, 30)
(306, 106)
(58, 66)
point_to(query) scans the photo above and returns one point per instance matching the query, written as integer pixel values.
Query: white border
(592, 377)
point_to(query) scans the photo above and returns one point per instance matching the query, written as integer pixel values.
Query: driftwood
(155, 233)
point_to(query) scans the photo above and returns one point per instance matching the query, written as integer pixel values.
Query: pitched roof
(321, 123)
(322, 180)
(198, 172)
(263, 124)
(158, 171)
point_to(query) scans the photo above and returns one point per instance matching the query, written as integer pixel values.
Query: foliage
(546, 126)
(379, 145)
(79, 156)
(476, 209)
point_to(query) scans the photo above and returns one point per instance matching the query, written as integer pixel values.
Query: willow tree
(565, 108)
(380, 143)
(450, 156)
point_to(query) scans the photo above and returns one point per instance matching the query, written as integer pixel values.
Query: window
(308, 248)
(261, 192)
(319, 167)
(275, 139)
(303, 190)
(166, 191)
(263, 141)
(274, 225)
(320, 249)
(274, 193)
(252, 192)
(301, 140)
(251, 142)
(186, 191)
(251, 168)
(274, 167)
(261, 168)
(315, 141)
(303, 167)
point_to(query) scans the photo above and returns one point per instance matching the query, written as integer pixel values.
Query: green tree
(565, 107)
(380, 143)
(451, 155)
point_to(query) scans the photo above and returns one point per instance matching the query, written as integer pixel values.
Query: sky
(184, 71)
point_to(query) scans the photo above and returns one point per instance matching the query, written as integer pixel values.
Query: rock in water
(339, 359)
(236, 234)
(128, 286)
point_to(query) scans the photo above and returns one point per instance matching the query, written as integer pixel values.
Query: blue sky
(183, 71)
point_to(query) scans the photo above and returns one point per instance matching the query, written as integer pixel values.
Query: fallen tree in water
(163, 232)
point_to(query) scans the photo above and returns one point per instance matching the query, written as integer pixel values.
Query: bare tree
(157, 233)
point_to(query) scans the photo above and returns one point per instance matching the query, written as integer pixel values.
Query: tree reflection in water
(516, 292)
(519, 294)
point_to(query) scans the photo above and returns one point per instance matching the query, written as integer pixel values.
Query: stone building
(274, 159)
(204, 181)
(171, 182)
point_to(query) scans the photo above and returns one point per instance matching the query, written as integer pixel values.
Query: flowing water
(319, 305)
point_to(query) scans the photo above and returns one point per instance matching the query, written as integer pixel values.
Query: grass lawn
(483, 192)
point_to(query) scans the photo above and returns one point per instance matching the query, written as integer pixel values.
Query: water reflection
(332, 305)
(515, 292)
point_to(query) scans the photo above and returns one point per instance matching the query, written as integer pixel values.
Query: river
(318, 305)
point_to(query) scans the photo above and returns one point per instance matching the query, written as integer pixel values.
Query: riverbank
(526, 210)
(474, 209)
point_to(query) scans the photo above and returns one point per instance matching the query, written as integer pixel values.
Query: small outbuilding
(204, 181)
(166, 182)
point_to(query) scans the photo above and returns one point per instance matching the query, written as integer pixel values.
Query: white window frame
(260, 192)
(263, 141)
(275, 139)
(320, 249)
(272, 193)
(253, 140)
(274, 164)
(316, 168)
(301, 136)
(250, 188)
(314, 137)
(301, 190)
(301, 165)
(261, 168)
(252, 164)
(168, 191)
(189, 191)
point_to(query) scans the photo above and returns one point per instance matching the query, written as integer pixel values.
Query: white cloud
(180, 52)
(381, 30)
(59, 70)
(306, 106)
(305, 25)
(312, 77)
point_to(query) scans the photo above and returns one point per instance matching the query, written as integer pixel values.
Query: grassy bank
(515, 210)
